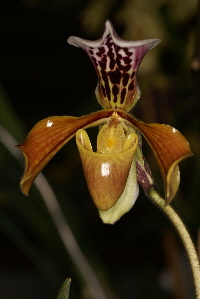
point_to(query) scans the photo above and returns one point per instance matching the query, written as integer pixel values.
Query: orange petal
(47, 137)
(169, 147)
(106, 174)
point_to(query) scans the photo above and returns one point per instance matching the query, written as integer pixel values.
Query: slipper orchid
(114, 170)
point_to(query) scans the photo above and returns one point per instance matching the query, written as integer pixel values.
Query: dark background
(41, 75)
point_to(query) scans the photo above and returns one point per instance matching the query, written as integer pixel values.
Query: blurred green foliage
(40, 76)
(64, 291)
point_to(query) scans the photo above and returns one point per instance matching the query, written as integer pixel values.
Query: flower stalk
(183, 234)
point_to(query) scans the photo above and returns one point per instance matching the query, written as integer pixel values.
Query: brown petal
(106, 174)
(46, 139)
(169, 147)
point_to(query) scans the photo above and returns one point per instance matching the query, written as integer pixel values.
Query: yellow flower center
(111, 139)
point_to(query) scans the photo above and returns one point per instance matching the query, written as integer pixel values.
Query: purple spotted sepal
(116, 62)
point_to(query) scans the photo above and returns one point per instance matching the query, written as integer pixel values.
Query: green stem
(183, 234)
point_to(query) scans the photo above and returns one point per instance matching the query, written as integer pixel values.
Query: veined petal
(116, 62)
(47, 137)
(169, 147)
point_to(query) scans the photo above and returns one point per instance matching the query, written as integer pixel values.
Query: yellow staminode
(111, 138)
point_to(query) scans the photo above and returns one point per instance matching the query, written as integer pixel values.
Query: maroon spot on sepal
(133, 74)
(115, 91)
(125, 79)
(131, 86)
(123, 94)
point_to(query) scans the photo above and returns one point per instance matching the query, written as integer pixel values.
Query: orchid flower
(112, 172)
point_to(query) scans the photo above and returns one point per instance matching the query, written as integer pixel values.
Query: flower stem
(184, 236)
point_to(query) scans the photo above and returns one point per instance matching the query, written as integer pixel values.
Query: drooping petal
(169, 147)
(116, 62)
(47, 137)
(106, 174)
(126, 200)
